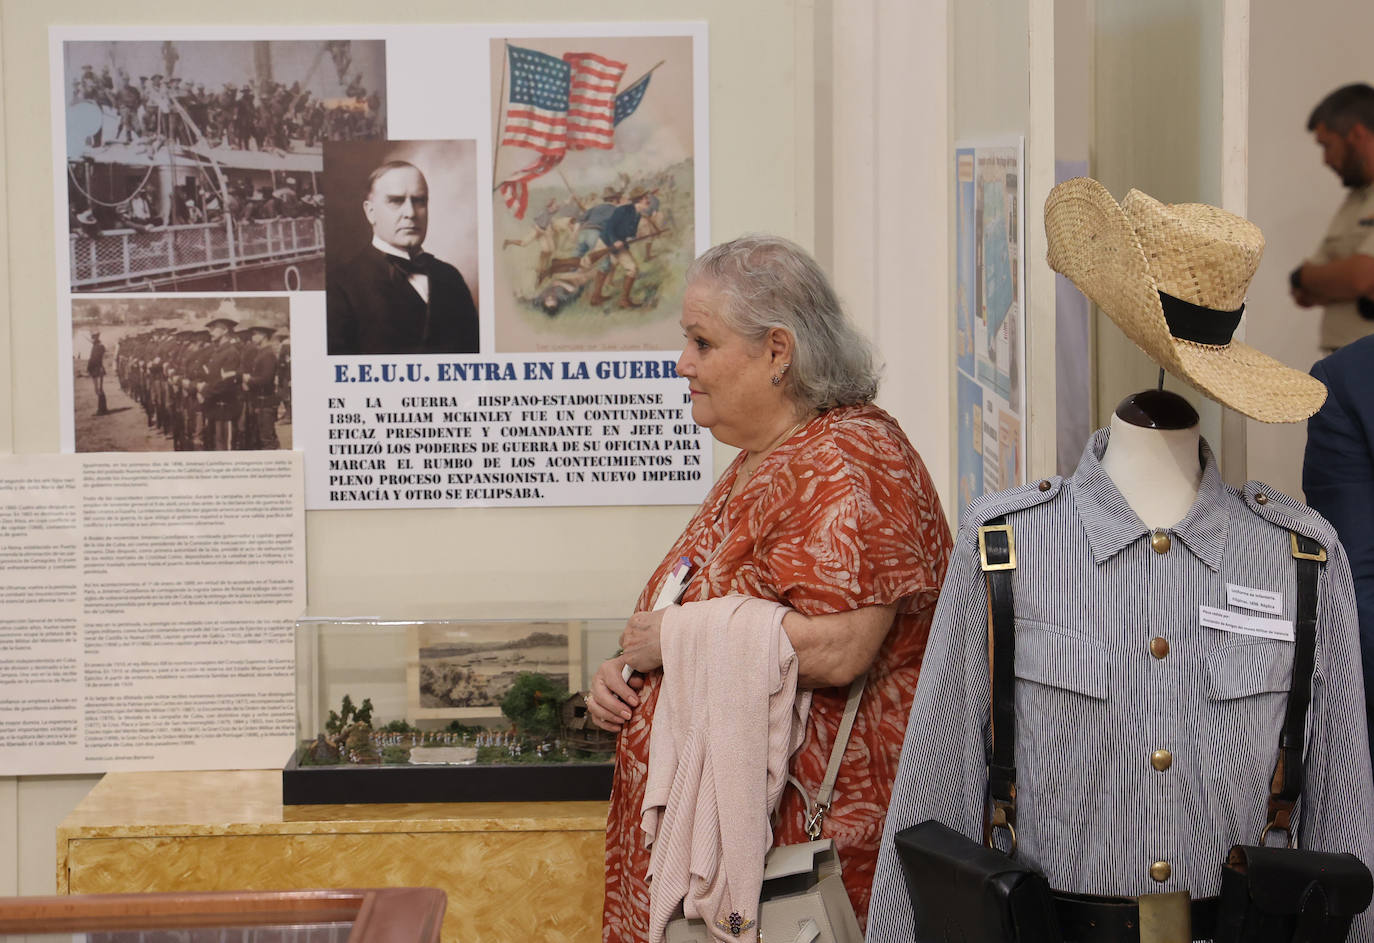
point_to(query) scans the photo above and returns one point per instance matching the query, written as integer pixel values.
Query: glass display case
(448, 711)
(383, 915)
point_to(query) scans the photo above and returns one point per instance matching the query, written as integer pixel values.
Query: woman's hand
(641, 642)
(611, 700)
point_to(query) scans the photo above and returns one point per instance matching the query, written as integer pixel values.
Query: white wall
(1157, 126)
(882, 185)
(1299, 52)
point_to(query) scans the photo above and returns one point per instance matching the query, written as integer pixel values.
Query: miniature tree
(533, 703)
(339, 720)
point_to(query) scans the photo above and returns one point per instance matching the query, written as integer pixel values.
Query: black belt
(1087, 918)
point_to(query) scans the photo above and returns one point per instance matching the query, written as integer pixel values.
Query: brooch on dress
(736, 925)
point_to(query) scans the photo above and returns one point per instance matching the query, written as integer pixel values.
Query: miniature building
(578, 731)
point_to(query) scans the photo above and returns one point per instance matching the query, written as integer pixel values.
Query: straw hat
(1174, 277)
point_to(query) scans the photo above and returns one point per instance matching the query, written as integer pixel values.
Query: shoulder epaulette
(1278, 508)
(997, 503)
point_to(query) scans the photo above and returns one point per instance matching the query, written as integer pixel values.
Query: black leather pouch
(961, 890)
(1290, 895)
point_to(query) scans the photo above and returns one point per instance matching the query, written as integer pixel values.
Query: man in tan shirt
(1339, 276)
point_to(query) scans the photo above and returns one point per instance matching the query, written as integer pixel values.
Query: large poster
(444, 261)
(989, 335)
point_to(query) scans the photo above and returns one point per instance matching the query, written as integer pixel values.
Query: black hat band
(1190, 322)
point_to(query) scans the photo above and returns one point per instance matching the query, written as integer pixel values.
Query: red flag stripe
(601, 102)
(598, 118)
(517, 197)
(580, 57)
(537, 115)
(596, 85)
(541, 148)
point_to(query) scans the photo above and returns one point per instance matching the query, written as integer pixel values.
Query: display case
(384, 915)
(448, 711)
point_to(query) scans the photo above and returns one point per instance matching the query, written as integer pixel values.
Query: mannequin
(1152, 456)
(1147, 718)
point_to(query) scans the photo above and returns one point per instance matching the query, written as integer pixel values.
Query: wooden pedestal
(513, 871)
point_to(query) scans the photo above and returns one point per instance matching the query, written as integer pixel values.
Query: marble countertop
(249, 802)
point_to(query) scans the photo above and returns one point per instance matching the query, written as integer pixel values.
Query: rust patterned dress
(839, 517)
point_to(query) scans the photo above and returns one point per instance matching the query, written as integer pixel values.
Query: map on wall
(989, 332)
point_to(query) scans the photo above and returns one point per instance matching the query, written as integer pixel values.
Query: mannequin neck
(1157, 470)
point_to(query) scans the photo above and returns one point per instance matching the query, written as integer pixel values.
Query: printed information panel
(579, 431)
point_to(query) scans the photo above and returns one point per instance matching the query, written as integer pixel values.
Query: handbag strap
(815, 812)
(997, 550)
(1286, 785)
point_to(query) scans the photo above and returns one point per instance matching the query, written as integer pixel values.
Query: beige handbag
(802, 899)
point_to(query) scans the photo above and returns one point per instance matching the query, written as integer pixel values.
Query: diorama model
(546, 725)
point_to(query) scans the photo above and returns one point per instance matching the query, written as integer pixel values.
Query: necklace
(752, 463)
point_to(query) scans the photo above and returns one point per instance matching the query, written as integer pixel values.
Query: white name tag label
(1280, 629)
(1256, 600)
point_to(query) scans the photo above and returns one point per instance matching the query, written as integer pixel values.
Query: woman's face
(727, 376)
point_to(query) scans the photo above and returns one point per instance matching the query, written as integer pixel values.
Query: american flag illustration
(561, 104)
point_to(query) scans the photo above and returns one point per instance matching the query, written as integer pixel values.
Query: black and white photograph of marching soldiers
(181, 374)
(194, 165)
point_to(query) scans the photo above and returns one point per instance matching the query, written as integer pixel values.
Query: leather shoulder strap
(815, 811)
(997, 550)
(1286, 785)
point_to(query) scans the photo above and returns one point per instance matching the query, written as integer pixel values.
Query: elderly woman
(827, 510)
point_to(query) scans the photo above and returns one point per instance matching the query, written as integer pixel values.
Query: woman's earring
(777, 377)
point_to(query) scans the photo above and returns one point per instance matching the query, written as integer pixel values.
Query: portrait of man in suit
(392, 296)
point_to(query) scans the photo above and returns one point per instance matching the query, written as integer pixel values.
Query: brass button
(1160, 871)
(1261, 498)
(1044, 486)
(1159, 646)
(1161, 760)
(1160, 542)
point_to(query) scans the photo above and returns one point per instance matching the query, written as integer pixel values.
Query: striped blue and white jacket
(1097, 696)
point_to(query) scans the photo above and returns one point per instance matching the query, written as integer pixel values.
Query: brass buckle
(1298, 554)
(1166, 918)
(1275, 827)
(1011, 547)
(999, 814)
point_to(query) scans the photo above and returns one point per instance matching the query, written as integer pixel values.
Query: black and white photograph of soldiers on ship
(181, 374)
(194, 165)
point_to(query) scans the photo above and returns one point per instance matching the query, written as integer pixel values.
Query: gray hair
(770, 282)
(382, 170)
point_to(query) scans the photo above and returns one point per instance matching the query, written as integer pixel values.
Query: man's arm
(263, 373)
(1338, 479)
(1345, 279)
